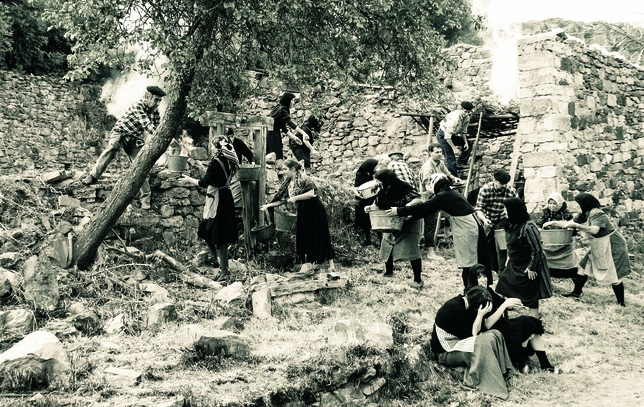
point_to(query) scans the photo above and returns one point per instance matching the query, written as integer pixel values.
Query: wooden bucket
(556, 236)
(176, 163)
(248, 172)
(499, 235)
(381, 222)
(284, 221)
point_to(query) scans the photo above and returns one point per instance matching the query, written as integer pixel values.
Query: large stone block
(544, 105)
(540, 159)
(538, 60)
(552, 122)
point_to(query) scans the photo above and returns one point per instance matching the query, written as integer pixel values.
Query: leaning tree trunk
(86, 245)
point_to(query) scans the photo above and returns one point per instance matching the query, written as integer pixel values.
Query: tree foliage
(202, 48)
(27, 44)
(373, 41)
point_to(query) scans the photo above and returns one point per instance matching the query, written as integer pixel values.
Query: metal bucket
(177, 163)
(284, 221)
(556, 236)
(247, 172)
(381, 222)
(263, 233)
(499, 235)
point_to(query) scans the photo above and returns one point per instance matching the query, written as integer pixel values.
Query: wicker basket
(248, 172)
(381, 222)
(556, 236)
(284, 221)
(499, 235)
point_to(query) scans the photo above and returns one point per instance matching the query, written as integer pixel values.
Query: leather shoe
(417, 285)
(572, 295)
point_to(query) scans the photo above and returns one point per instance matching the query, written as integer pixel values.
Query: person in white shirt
(452, 133)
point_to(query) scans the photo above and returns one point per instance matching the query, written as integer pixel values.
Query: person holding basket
(312, 236)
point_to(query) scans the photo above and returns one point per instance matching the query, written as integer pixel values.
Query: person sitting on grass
(459, 338)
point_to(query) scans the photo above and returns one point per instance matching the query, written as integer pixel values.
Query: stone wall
(582, 124)
(47, 122)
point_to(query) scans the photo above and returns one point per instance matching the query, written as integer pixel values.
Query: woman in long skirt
(219, 226)
(312, 236)
(526, 275)
(403, 245)
(469, 237)
(607, 260)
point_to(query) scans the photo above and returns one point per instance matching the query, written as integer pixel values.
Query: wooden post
(430, 130)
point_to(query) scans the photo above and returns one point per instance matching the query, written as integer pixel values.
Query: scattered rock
(347, 396)
(83, 318)
(40, 283)
(262, 303)
(114, 325)
(201, 259)
(215, 343)
(9, 259)
(122, 377)
(374, 386)
(9, 282)
(16, 324)
(61, 329)
(352, 332)
(34, 361)
(159, 314)
(230, 293)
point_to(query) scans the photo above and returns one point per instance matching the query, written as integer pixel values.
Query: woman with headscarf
(459, 338)
(241, 150)
(522, 333)
(302, 150)
(526, 275)
(364, 174)
(467, 231)
(282, 123)
(312, 236)
(562, 260)
(607, 258)
(403, 245)
(219, 226)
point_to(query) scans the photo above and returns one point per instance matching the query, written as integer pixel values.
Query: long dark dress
(281, 118)
(312, 236)
(301, 151)
(516, 331)
(219, 226)
(525, 252)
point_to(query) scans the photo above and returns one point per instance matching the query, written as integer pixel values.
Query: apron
(465, 231)
(212, 196)
(600, 261)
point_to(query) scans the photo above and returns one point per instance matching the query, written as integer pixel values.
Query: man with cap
(452, 133)
(491, 211)
(129, 133)
(401, 169)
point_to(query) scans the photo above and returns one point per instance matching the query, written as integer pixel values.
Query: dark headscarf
(395, 192)
(286, 98)
(586, 202)
(314, 123)
(477, 296)
(517, 213)
(365, 171)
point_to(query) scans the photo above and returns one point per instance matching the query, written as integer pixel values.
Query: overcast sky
(577, 10)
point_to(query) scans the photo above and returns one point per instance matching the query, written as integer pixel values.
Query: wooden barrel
(247, 172)
(176, 163)
(381, 222)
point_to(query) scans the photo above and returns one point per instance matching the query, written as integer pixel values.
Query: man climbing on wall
(129, 132)
(452, 133)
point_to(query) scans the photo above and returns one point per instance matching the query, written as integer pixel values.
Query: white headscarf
(556, 196)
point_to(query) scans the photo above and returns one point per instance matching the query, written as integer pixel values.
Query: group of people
(472, 329)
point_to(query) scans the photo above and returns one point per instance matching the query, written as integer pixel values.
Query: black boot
(543, 361)
(579, 285)
(618, 289)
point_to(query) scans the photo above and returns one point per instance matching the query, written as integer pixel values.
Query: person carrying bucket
(312, 236)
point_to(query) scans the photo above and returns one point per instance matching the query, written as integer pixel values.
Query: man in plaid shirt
(401, 169)
(491, 211)
(129, 134)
